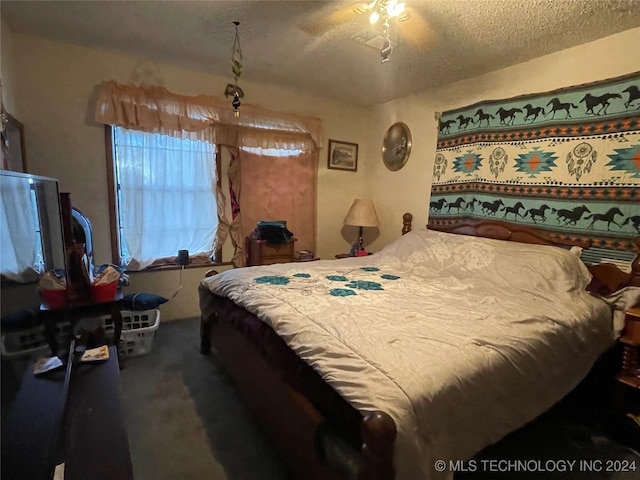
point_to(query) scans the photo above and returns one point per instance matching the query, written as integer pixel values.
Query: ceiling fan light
(397, 10)
(390, 7)
(375, 16)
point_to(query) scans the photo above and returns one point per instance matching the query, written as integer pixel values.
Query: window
(165, 198)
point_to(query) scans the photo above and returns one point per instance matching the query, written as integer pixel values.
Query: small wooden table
(259, 252)
(627, 394)
(348, 255)
(630, 372)
(77, 309)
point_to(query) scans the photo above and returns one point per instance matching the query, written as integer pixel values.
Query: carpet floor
(186, 420)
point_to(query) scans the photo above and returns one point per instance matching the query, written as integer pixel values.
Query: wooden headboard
(501, 230)
(607, 274)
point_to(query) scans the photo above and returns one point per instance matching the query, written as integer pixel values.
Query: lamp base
(358, 245)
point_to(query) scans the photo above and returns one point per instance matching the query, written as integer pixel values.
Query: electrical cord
(179, 285)
(133, 301)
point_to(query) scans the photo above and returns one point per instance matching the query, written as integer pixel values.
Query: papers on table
(95, 354)
(46, 365)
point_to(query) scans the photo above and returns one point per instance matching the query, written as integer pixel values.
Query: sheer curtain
(156, 109)
(231, 228)
(166, 195)
(19, 259)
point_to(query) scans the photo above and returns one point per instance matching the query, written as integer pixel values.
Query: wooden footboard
(299, 431)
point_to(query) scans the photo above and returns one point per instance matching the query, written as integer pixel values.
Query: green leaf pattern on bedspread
(319, 285)
(364, 285)
(341, 292)
(273, 280)
(455, 327)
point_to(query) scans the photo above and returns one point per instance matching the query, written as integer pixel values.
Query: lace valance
(156, 109)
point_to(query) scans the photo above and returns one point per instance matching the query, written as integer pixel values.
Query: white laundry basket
(138, 331)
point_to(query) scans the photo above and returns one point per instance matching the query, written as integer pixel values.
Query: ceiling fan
(383, 15)
(375, 9)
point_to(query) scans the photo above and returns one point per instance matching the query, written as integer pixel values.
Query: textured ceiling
(307, 46)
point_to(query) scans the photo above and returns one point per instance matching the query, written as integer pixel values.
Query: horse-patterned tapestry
(566, 161)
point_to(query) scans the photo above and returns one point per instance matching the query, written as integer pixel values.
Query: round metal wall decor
(396, 146)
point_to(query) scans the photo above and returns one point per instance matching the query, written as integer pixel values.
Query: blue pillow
(142, 301)
(19, 320)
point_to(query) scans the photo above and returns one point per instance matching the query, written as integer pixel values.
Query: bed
(431, 349)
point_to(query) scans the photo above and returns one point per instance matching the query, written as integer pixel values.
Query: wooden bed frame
(296, 424)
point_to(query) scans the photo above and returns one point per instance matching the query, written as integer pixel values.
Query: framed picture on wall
(343, 155)
(13, 154)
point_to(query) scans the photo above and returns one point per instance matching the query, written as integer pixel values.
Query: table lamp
(361, 214)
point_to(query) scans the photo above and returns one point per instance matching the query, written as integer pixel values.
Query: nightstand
(259, 252)
(630, 372)
(348, 255)
(627, 396)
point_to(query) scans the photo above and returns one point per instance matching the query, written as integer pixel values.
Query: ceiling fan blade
(323, 21)
(363, 7)
(415, 30)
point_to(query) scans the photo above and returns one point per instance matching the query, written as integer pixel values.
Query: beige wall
(55, 95)
(409, 188)
(54, 86)
(7, 66)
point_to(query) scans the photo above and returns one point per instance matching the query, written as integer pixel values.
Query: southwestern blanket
(566, 161)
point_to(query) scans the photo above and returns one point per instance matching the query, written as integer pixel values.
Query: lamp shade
(362, 214)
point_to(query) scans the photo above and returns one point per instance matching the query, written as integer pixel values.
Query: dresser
(626, 406)
(259, 252)
(630, 371)
(71, 416)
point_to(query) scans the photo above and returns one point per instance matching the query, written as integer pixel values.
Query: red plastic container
(54, 299)
(104, 293)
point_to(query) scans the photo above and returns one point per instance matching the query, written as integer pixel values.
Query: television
(31, 234)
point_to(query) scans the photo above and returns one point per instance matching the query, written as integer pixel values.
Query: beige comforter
(460, 339)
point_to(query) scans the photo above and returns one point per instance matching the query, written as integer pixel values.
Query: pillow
(619, 301)
(19, 320)
(534, 267)
(576, 250)
(607, 279)
(142, 301)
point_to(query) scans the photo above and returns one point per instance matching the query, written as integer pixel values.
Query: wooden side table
(630, 372)
(627, 395)
(77, 309)
(348, 255)
(259, 252)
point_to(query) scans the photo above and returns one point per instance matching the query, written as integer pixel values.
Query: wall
(7, 66)
(605, 58)
(54, 85)
(55, 96)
